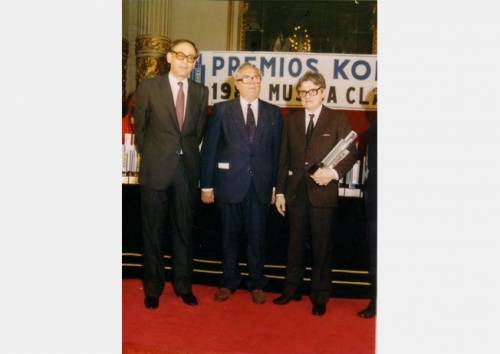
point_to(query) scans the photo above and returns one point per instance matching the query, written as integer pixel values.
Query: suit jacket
(229, 161)
(158, 137)
(295, 159)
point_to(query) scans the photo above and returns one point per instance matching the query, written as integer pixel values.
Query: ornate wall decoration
(124, 68)
(151, 56)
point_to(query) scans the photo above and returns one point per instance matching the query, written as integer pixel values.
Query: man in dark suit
(170, 119)
(239, 160)
(308, 135)
(371, 215)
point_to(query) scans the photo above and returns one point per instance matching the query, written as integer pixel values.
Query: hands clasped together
(323, 176)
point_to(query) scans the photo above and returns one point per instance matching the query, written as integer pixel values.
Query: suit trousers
(175, 205)
(304, 219)
(248, 218)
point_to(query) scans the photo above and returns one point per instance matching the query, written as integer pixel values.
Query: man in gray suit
(170, 119)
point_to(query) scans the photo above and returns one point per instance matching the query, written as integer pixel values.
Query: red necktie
(179, 106)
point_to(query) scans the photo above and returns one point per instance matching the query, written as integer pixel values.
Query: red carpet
(238, 326)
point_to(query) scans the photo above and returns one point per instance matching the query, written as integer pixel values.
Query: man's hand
(324, 175)
(207, 197)
(280, 204)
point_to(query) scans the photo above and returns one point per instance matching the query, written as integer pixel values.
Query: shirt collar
(245, 103)
(316, 112)
(173, 81)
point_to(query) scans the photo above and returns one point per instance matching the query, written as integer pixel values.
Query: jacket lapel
(238, 120)
(321, 125)
(261, 123)
(315, 147)
(188, 115)
(166, 92)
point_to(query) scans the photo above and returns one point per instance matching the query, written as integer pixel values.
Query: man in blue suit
(239, 159)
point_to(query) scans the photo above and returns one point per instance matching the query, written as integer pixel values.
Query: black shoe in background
(151, 302)
(319, 309)
(284, 299)
(370, 311)
(189, 299)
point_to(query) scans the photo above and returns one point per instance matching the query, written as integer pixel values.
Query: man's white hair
(244, 66)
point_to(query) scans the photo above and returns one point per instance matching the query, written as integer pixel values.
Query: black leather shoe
(189, 299)
(284, 299)
(318, 309)
(369, 312)
(151, 302)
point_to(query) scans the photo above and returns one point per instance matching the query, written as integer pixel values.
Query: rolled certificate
(337, 154)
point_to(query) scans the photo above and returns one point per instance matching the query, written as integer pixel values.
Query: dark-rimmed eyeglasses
(182, 56)
(310, 93)
(247, 79)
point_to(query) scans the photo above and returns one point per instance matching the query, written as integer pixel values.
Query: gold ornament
(151, 58)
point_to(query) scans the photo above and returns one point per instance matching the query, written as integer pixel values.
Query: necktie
(250, 123)
(310, 128)
(179, 106)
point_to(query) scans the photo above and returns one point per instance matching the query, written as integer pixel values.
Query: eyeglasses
(249, 79)
(181, 56)
(310, 93)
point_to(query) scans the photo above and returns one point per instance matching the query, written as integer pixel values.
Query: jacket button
(250, 172)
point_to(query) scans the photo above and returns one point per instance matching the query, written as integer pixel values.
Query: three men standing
(242, 149)
(239, 160)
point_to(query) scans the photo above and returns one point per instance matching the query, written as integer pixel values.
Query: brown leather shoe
(258, 296)
(223, 294)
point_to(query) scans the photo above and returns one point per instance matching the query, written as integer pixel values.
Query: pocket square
(223, 165)
(290, 173)
(326, 134)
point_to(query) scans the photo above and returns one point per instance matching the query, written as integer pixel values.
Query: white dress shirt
(316, 113)
(254, 106)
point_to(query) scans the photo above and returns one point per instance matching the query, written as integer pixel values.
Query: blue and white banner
(351, 79)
